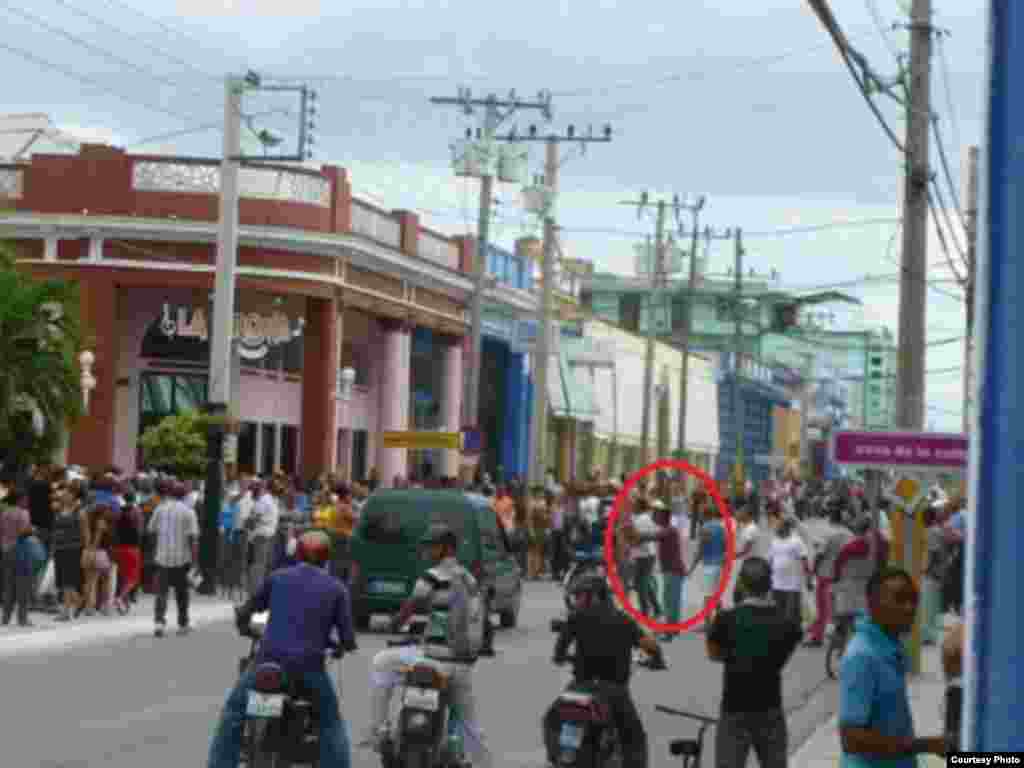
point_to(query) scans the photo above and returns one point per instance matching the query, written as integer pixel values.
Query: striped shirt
(176, 526)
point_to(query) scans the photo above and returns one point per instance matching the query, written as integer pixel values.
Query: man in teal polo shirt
(875, 724)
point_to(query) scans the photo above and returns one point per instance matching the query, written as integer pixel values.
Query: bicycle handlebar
(690, 715)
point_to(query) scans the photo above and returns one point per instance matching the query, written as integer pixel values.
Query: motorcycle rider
(605, 638)
(431, 595)
(306, 604)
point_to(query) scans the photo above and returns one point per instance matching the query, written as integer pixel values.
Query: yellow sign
(423, 440)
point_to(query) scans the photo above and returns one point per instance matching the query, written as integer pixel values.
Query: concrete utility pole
(539, 420)
(691, 292)
(546, 309)
(493, 117)
(972, 260)
(735, 400)
(222, 324)
(912, 350)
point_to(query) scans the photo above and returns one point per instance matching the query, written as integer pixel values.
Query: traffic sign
(929, 451)
(422, 440)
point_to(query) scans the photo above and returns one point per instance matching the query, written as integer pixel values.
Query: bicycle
(688, 750)
(837, 645)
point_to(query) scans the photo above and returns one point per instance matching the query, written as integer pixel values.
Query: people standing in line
(96, 559)
(934, 572)
(176, 530)
(644, 555)
(710, 553)
(344, 527)
(790, 562)
(556, 501)
(68, 535)
(853, 570)
(538, 528)
(15, 523)
(754, 642)
(836, 536)
(876, 727)
(952, 666)
(747, 537)
(229, 567)
(262, 525)
(127, 551)
(42, 511)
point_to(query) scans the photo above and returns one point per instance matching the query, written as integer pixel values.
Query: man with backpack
(457, 630)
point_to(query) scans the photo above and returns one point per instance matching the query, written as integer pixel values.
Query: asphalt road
(142, 701)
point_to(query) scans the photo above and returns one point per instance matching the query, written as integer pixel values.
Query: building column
(451, 404)
(257, 442)
(319, 387)
(92, 436)
(526, 404)
(515, 415)
(278, 435)
(394, 397)
(565, 430)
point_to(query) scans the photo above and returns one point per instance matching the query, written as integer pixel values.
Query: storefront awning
(571, 392)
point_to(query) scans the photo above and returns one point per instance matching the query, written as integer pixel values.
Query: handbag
(101, 561)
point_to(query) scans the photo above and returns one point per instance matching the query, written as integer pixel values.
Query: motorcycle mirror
(557, 625)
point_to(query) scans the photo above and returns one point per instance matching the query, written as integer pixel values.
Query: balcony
(375, 224)
(289, 185)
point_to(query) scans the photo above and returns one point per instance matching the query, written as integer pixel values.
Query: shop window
(359, 455)
(357, 357)
(166, 394)
(289, 449)
(268, 441)
(247, 447)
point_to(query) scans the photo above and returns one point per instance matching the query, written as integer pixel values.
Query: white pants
(386, 675)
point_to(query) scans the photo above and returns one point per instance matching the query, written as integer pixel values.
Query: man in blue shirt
(306, 603)
(875, 723)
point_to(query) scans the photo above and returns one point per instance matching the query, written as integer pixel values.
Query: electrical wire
(824, 13)
(134, 38)
(880, 26)
(930, 283)
(771, 233)
(90, 82)
(162, 25)
(942, 238)
(201, 128)
(944, 160)
(948, 87)
(95, 49)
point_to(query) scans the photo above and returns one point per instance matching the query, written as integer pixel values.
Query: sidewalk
(927, 694)
(49, 635)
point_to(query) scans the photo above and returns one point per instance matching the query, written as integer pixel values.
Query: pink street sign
(908, 450)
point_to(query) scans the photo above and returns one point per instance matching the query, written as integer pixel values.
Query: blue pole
(994, 673)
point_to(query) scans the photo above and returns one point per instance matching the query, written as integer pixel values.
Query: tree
(177, 444)
(40, 386)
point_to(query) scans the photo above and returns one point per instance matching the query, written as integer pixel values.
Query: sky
(745, 103)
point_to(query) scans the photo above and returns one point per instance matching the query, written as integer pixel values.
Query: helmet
(314, 547)
(439, 533)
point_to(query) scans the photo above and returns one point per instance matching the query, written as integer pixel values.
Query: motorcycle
(281, 726)
(425, 733)
(584, 562)
(582, 733)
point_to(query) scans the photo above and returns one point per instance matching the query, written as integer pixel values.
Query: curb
(54, 637)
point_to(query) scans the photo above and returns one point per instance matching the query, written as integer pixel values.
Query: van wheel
(509, 619)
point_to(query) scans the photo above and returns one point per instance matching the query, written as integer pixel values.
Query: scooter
(581, 733)
(281, 727)
(426, 732)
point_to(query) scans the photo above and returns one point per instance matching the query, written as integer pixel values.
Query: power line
(781, 232)
(821, 8)
(946, 171)
(162, 25)
(880, 26)
(135, 38)
(948, 87)
(89, 82)
(95, 49)
(201, 128)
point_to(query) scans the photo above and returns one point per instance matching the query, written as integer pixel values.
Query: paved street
(141, 701)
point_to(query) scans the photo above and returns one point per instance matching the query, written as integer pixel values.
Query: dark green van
(386, 556)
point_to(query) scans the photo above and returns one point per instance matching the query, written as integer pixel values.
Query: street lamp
(88, 381)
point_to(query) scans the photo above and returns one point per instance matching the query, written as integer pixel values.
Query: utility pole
(494, 116)
(548, 193)
(222, 323)
(691, 291)
(912, 349)
(539, 420)
(735, 400)
(972, 260)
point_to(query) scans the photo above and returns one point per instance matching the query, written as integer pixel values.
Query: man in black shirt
(605, 639)
(754, 642)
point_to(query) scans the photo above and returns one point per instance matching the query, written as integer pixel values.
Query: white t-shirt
(644, 526)
(787, 569)
(749, 535)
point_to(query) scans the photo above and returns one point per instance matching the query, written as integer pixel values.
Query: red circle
(609, 545)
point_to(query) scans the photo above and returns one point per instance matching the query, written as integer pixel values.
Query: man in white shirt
(176, 528)
(644, 556)
(262, 525)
